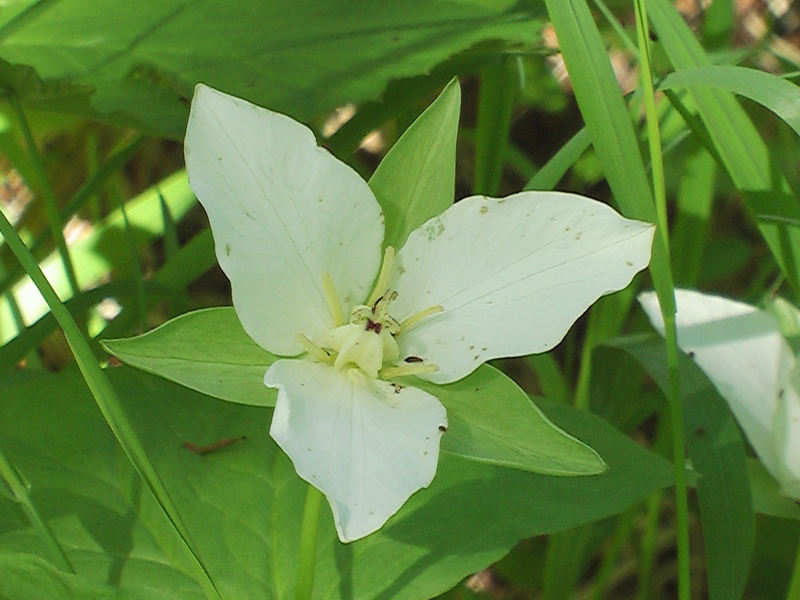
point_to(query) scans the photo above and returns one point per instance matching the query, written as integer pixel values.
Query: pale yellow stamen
(403, 370)
(333, 300)
(383, 278)
(321, 355)
(418, 316)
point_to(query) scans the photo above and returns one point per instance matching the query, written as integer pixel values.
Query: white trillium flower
(299, 234)
(742, 351)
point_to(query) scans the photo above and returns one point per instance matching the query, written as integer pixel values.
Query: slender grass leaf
(103, 250)
(498, 86)
(780, 96)
(743, 152)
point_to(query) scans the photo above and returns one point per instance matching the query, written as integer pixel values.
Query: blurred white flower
(742, 351)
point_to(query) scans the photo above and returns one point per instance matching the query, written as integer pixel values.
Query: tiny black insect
(412, 359)
(442, 428)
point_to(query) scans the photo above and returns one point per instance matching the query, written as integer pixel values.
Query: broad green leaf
(775, 93)
(29, 577)
(135, 62)
(491, 418)
(206, 350)
(107, 401)
(717, 453)
(416, 180)
(243, 502)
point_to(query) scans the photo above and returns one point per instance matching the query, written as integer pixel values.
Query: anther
(418, 316)
(333, 300)
(403, 370)
(320, 354)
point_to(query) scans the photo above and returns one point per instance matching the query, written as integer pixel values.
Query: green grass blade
(780, 96)
(614, 139)
(498, 85)
(742, 151)
(106, 398)
(86, 191)
(50, 204)
(554, 169)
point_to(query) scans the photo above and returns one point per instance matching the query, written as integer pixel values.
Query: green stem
(667, 302)
(794, 584)
(307, 561)
(106, 398)
(20, 492)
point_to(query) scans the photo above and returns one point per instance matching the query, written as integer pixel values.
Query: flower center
(367, 342)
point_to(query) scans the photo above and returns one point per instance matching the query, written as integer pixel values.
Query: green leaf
(609, 124)
(767, 497)
(492, 420)
(107, 401)
(135, 62)
(243, 503)
(775, 93)
(602, 106)
(717, 452)
(499, 83)
(744, 154)
(206, 350)
(416, 180)
(28, 577)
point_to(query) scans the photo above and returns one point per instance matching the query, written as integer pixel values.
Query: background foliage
(95, 101)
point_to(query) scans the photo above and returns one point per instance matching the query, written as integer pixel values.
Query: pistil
(367, 341)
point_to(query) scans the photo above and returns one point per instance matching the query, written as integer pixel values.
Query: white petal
(367, 445)
(283, 212)
(787, 442)
(742, 352)
(512, 275)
